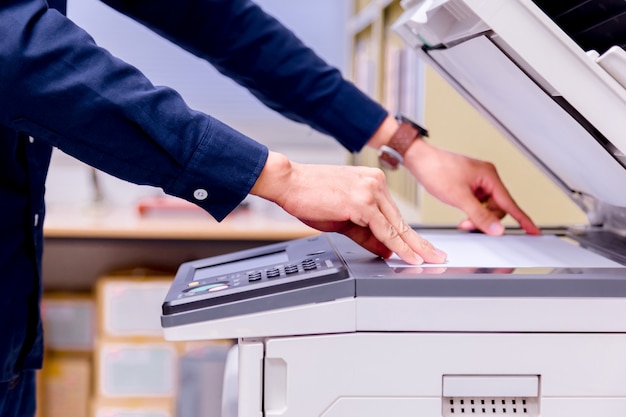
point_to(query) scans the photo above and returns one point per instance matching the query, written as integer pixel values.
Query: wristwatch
(391, 155)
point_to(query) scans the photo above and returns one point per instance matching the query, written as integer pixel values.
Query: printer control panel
(254, 273)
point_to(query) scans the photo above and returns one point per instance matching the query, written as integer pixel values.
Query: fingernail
(418, 259)
(495, 228)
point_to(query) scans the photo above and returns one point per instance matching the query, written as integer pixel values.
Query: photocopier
(510, 325)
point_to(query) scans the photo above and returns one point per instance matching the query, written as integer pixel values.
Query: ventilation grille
(494, 406)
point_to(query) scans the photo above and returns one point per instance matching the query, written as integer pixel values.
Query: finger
(466, 225)
(386, 223)
(403, 240)
(424, 248)
(481, 218)
(360, 234)
(364, 237)
(369, 213)
(493, 206)
(390, 237)
(505, 202)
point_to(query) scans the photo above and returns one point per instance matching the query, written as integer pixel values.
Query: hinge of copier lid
(590, 206)
(601, 214)
(606, 232)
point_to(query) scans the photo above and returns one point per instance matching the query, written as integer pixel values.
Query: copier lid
(512, 61)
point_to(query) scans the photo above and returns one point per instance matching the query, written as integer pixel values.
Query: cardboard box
(130, 306)
(65, 383)
(104, 407)
(136, 370)
(69, 322)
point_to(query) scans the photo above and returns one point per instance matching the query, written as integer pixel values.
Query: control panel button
(309, 265)
(291, 269)
(254, 276)
(272, 273)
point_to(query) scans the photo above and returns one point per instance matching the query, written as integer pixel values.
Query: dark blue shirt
(59, 89)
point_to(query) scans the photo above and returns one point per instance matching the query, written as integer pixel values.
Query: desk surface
(84, 243)
(90, 222)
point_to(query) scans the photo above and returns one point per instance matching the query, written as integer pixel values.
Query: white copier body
(345, 334)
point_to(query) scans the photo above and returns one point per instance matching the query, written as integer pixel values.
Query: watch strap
(391, 155)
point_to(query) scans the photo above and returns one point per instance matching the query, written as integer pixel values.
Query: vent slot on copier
(495, 395)
(493, 406)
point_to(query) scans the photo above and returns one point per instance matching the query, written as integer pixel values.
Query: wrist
(418, 151)
(384, 133)
(276, 171)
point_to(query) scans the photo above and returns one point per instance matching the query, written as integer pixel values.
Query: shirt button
(31, 139)
(36, 222)
(200, 194)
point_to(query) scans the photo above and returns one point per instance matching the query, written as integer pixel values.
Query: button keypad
(274, 272)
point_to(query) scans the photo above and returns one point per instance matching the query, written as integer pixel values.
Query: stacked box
(135, 368)
(64, 385)
(129, 308)
(137, 372)
(69, 322)
(132, 408)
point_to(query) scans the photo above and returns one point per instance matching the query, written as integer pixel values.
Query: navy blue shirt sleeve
(58, 86)
(258, 52)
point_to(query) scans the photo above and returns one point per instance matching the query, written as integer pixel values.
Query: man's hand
(354, 201)
(468, 184)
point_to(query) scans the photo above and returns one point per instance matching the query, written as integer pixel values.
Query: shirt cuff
(221, 171)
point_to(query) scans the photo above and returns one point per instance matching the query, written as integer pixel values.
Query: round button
(200, 194)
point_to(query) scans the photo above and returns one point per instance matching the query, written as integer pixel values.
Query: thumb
(484, 219)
